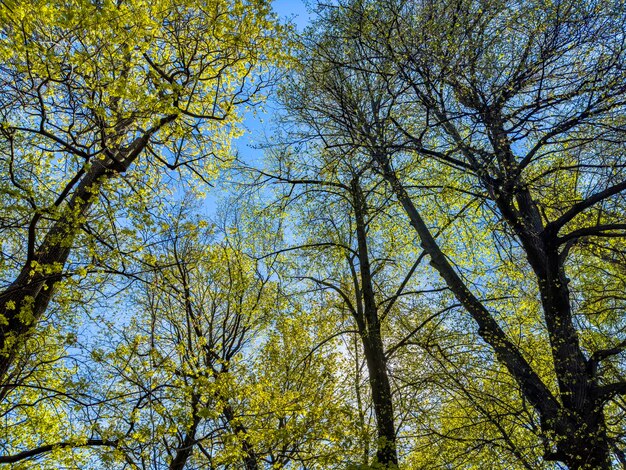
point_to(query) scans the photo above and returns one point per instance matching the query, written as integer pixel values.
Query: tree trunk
(24, 302)
(186, 449)
(586, 445)
(582, 441)
(489, 330)
(250, 459)
(386, 453)
(577, 426)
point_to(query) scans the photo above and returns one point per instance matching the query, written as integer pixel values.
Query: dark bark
(530, 383)
(33, 289)
(386, 453)
(29, 454)
(183, 453)
(542, 253)
(250, 459)
(577, 423)
(29, 295)
(582, 441)
(588, 446)
(576, 420)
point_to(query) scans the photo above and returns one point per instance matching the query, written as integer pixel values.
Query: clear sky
(295, 10)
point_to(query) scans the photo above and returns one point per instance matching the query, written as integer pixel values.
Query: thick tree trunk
(24, 302)
(577, 425)
(586, 445)
(507, 353)
(386, 453)
(582, 441)
(588, 455)
(541, 248)
(184, 452)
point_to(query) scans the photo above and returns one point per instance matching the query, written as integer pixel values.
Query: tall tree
(208, 365)
(341, 216)
(523, 102)
(91, 90)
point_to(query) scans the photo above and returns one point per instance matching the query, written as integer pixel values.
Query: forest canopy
(420, 264)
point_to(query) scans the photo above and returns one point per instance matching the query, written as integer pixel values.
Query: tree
(204, 304)
(208, 367)
(341, 217)
(523, 104)
(100, 98)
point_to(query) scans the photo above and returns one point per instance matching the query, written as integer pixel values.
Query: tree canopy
(424, 268)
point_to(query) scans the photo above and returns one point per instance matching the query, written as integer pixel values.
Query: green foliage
(439, 212)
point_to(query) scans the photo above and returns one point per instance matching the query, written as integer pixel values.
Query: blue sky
(259, 126)
(292, 9)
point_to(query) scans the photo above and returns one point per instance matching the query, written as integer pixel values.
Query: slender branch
(606, 230)
(330, 285)
(606, 392)
(604, 353)
(27, 454)
(556, 225)
(303, 247)
(405, 281)
(283, 179)
(322, 343)
(390, 352)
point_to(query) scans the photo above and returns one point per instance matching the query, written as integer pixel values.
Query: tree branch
(605, 230)
(556, 225)
(27, 454)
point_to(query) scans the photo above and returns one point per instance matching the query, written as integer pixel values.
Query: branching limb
(27, 454)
